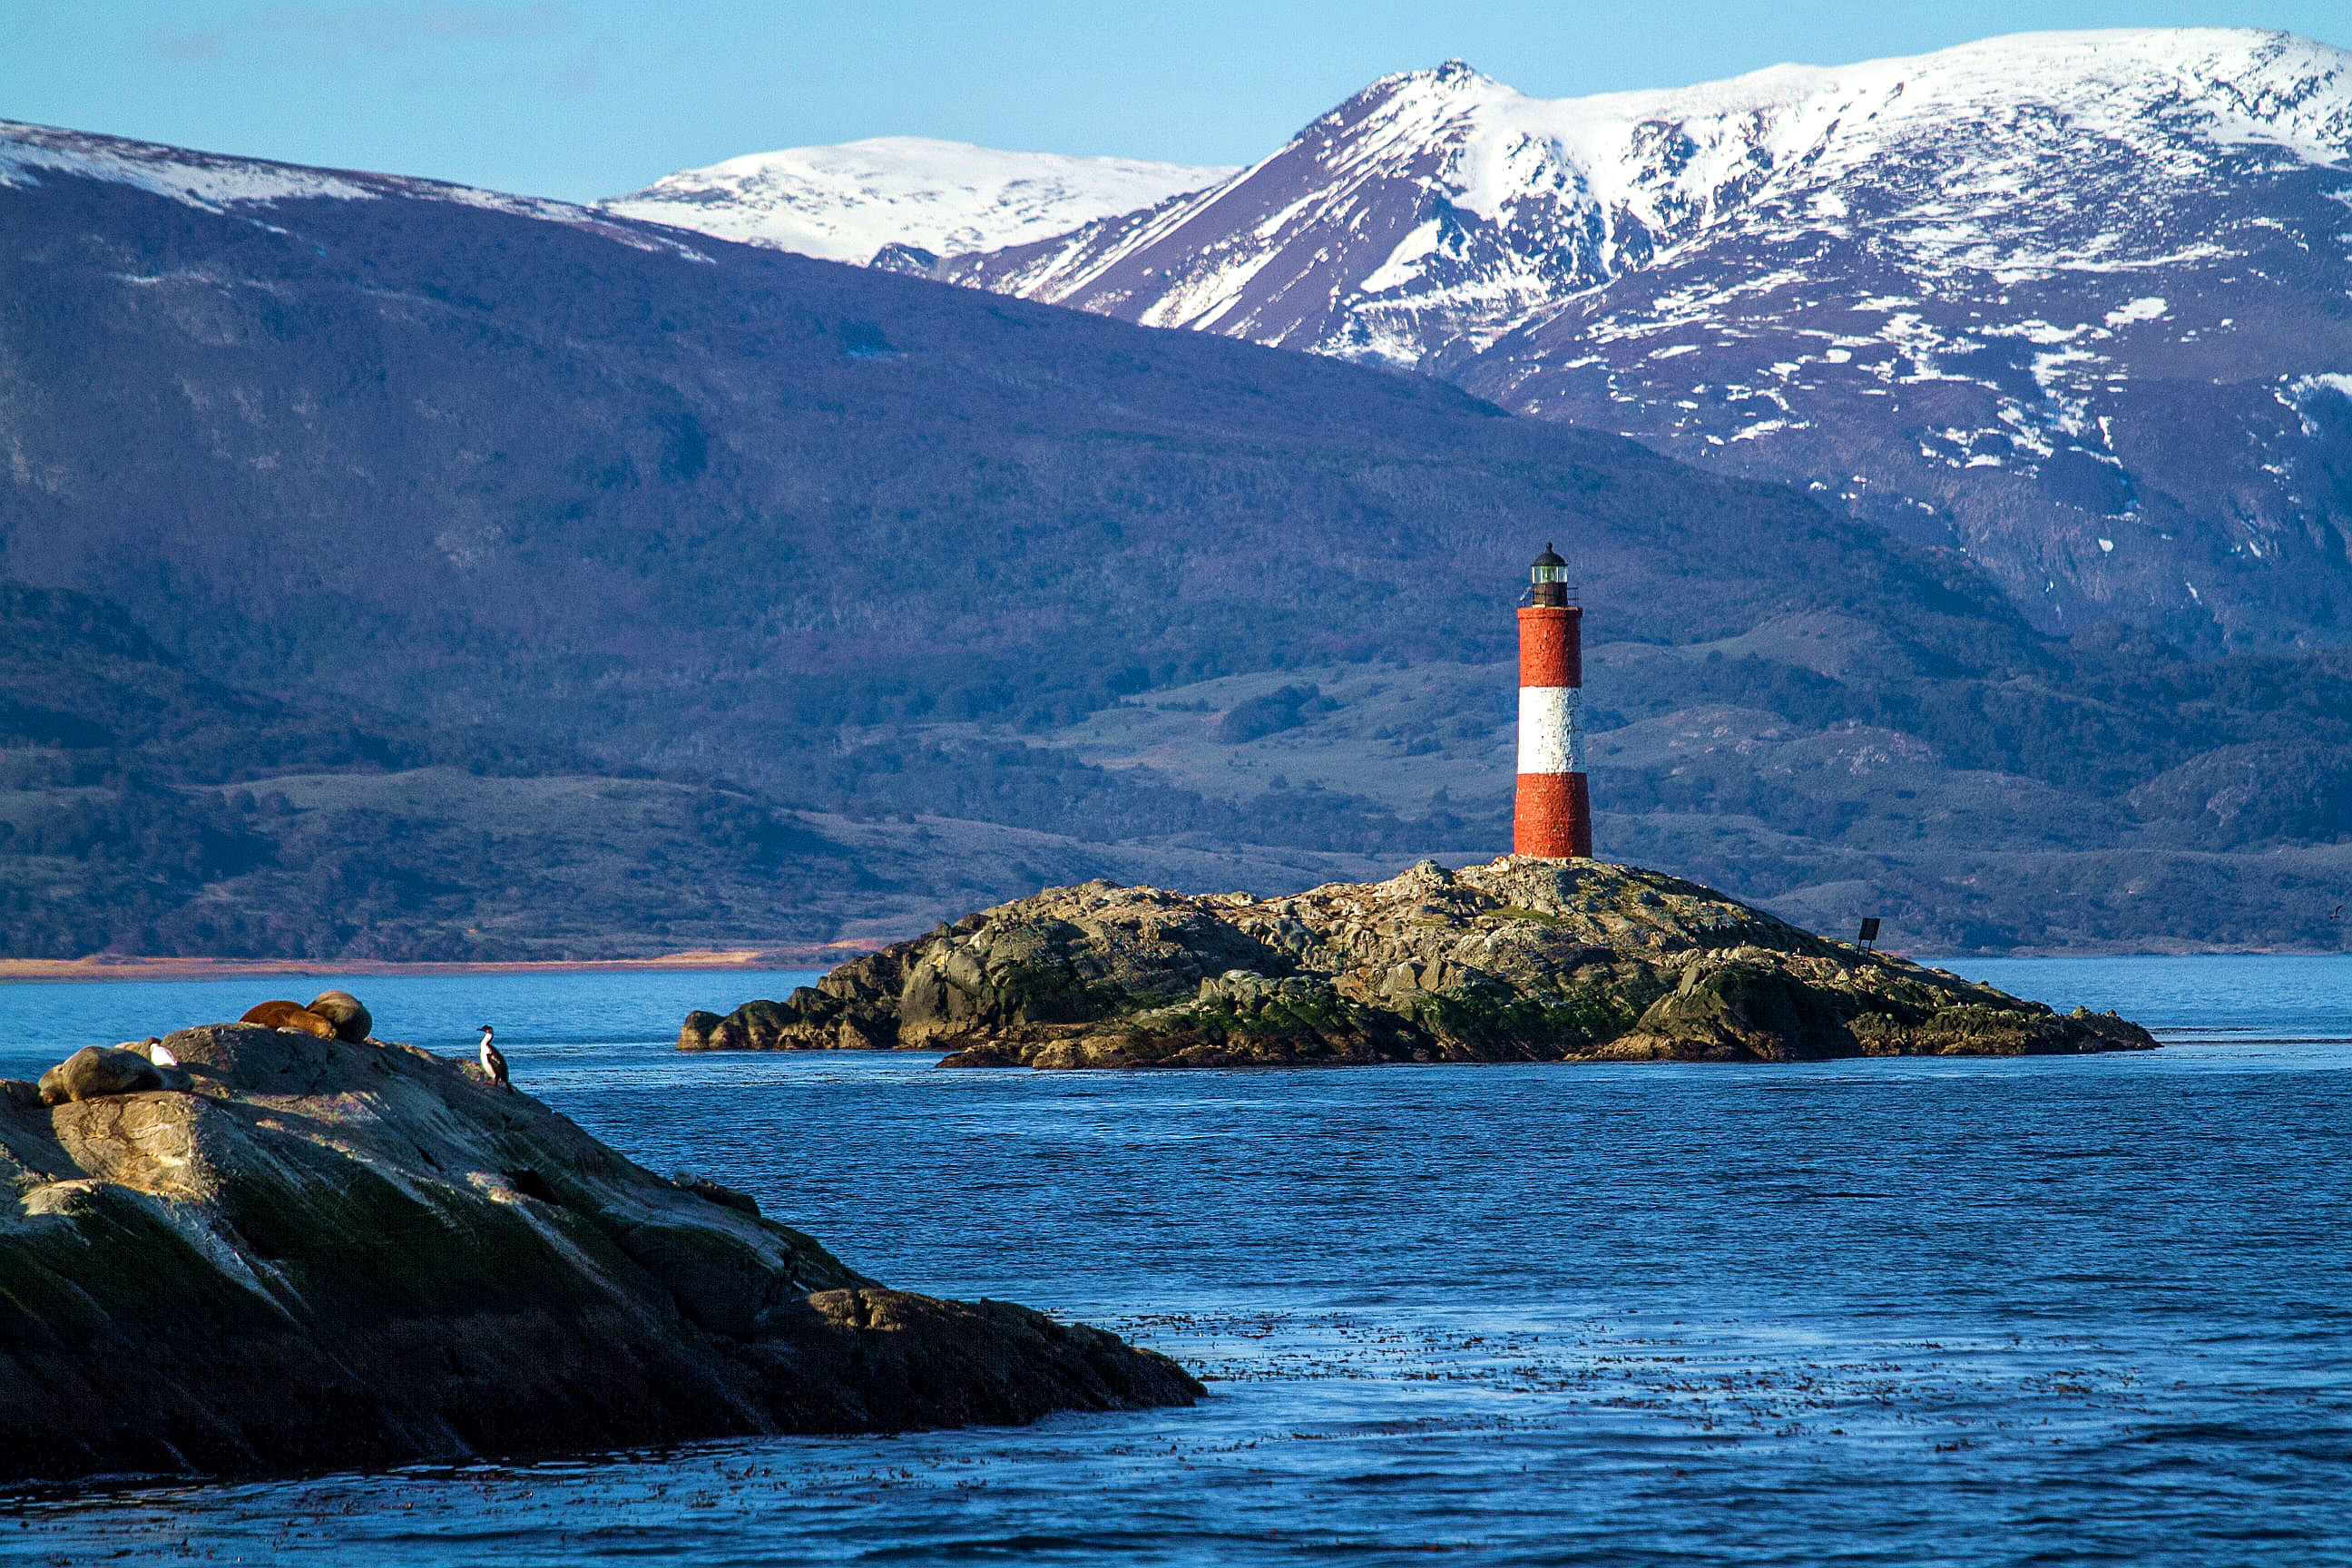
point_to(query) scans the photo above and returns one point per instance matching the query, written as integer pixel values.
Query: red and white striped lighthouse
(1552, 816)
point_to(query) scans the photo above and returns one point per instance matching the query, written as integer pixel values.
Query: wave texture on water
(1964, 1311)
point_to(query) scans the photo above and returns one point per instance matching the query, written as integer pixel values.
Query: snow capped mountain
(217, 182)
(1509, 202)
(2074, 303)
(849, 202)
(2071, 302)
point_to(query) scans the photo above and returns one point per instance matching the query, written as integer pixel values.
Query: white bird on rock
(494, 1066)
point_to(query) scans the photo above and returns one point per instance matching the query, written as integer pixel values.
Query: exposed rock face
(321, 1253)
(1521, 960)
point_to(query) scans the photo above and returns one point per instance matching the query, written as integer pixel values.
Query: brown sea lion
(350, 1016)
(289, 1015)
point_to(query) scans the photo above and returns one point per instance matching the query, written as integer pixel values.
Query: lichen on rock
(1517, 960)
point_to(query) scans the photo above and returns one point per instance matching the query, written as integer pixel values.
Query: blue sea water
(1895, 1311)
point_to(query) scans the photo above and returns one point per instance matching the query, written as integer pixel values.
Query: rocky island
(245, 1249)
(1518, 960)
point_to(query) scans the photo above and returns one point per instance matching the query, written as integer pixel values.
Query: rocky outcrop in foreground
(287, 1251)
(1521, 960)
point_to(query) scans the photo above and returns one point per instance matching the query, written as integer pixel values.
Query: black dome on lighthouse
(1549, 575)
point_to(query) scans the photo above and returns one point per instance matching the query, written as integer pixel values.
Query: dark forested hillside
(147, 809)
(484, 464)
(487, 499)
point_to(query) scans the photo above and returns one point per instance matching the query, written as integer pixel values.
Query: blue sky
(585, 98)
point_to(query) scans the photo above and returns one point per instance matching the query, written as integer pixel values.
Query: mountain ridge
(811, 602)
(1499, 149)
(2069, 303)
(853, 201)
(219, 182)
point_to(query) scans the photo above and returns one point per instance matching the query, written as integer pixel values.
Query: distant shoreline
(750, 960)
(21, 970)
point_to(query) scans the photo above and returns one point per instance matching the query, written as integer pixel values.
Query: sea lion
(350, 1016)
(95, 1071)
(281, 1015)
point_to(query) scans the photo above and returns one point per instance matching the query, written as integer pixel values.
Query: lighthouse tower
(1552, 816)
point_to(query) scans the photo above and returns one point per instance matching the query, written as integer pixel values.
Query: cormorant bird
(493, 1063)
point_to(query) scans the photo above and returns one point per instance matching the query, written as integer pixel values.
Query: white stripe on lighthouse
(1551, 729)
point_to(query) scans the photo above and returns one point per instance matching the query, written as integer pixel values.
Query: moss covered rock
(323, 1253)
(1519, 960)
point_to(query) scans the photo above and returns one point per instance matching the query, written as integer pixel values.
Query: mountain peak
(1449, 73)
(853, 201)
(1954, 291)
(1446, 83)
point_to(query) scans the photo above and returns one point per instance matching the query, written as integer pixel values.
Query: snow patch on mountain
(849, 202)
(2301, 390)
(200, 179)
(217, 182)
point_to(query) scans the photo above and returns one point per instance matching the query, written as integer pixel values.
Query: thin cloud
(379, 29)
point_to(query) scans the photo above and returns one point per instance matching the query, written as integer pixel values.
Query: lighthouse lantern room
(1552, 813)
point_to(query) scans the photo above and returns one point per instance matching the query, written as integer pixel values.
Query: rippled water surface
(1884, 1312)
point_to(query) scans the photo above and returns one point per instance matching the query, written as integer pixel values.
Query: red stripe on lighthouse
(1552, 814)
(1547, 652)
